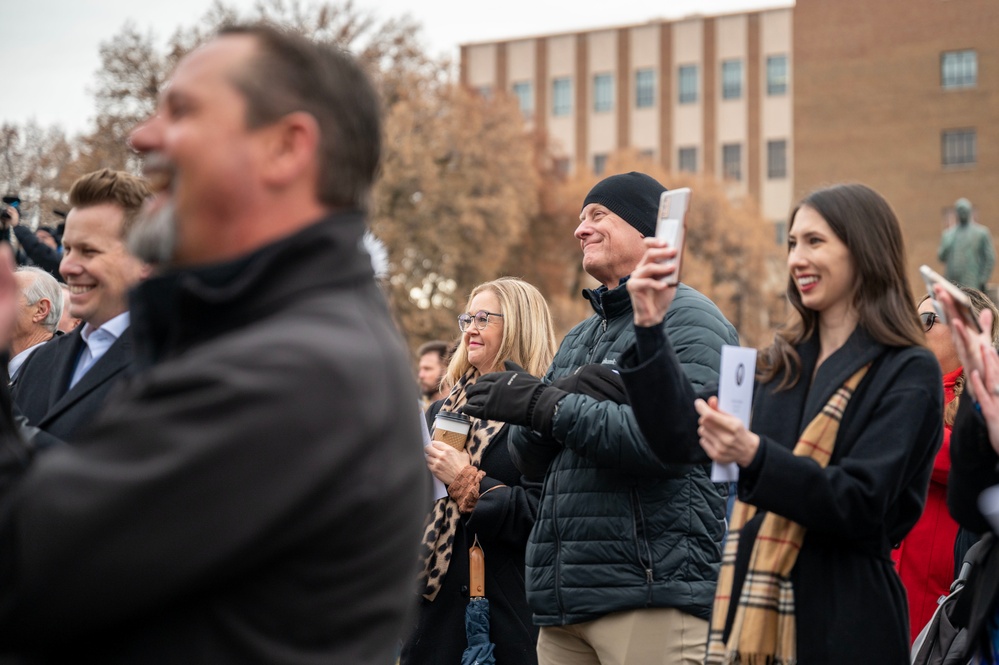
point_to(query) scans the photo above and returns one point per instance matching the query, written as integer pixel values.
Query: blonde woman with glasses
(505, 320)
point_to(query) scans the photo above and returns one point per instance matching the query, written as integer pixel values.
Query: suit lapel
(110, 365)
(63, 369)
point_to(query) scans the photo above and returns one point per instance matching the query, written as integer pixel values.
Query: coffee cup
(452, 428)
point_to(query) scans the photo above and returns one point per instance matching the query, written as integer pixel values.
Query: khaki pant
(659, 636)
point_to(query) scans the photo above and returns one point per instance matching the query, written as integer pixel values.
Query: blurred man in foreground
(255, 493)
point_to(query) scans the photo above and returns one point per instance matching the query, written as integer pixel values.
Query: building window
(562, 166)
(959, 69)
(525, 97)
(731, 79)
(958, 147)
(649, 154)
(599, 164)
(777, 75)
(780, 232)
(776, 159)
(687, 160)
(562, 96)
(732, 161)
(688, 84)
(486, 91)
(645, 88)
(603, 93)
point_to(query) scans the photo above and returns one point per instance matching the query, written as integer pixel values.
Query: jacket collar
(179, 308)
(860, 349)
(610, 303)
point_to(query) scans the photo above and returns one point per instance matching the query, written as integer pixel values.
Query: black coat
(254, 494)
(974, 468)
(42, 394)
(502, 520)
(850, 603)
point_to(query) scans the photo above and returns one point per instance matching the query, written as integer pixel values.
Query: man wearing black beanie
(623, 558)
(634, 197)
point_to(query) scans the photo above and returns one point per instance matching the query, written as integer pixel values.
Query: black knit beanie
(634, 197)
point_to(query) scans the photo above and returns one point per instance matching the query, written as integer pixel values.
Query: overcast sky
(50, 47)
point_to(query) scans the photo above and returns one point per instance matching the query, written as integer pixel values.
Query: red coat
(925, 559)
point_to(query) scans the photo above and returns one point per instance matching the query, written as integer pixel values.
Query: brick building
(902, 95)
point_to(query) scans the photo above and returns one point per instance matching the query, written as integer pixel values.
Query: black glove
(598, 381)
(515, 397)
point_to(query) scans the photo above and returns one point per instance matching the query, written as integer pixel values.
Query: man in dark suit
(63, 384)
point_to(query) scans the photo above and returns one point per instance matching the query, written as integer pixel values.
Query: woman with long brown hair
(846, 420)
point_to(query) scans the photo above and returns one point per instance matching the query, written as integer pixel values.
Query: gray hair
(44, 286)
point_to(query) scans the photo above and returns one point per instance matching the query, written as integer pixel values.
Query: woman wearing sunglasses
(925, 558)
(506, 319)
(846, 421)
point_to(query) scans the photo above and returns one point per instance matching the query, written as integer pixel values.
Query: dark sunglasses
(928, 319)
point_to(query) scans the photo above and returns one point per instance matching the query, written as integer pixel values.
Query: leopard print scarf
(442, 522)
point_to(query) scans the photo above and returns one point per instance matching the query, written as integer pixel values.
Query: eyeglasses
(928, 319)
(480, 318)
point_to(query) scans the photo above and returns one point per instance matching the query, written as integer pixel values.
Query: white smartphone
(671, 225)
(961, 299)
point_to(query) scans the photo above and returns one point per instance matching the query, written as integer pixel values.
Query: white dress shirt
(15, 364)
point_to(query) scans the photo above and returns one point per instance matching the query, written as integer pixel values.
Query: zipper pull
(648, 575)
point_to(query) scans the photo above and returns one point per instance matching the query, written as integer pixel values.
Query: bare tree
(35, 165)
(466, 194)
(458, 191)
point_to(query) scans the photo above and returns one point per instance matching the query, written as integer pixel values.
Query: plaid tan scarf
(763, 630)
(442, 522)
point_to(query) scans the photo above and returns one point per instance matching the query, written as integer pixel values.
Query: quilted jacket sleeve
(608, 433)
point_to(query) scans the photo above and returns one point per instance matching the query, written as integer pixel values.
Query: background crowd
(220, 460)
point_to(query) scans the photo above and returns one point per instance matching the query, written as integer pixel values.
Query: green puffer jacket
(618, 529)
